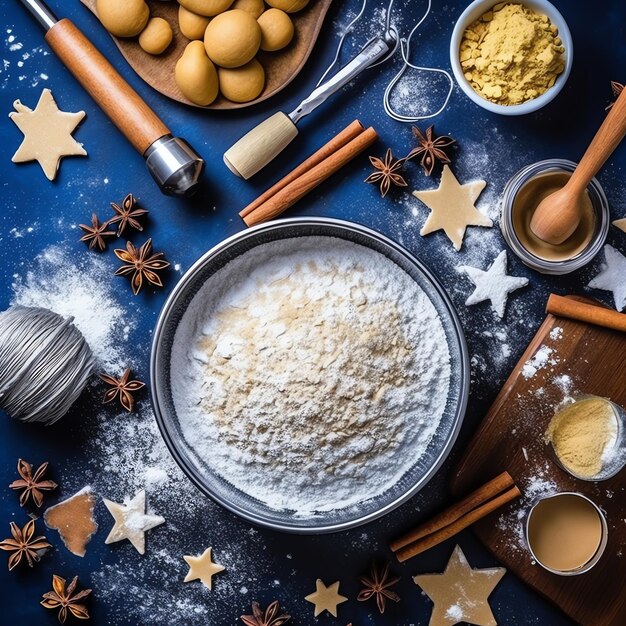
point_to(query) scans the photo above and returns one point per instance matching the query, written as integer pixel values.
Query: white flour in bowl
(311, 374)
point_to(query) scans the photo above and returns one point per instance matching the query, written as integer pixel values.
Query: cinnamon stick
(583, 312)
(338, 141)
(425, 543)
(481, 495)
(302, 185)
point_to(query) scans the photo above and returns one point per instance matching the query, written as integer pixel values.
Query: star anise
(95, 234)
(141, 264)
(126, 214)
(430, 148)
(32, 484)
(377, 585)
(65, 599)
(122, 387)
(617, 89)
(270, 617)
(24, 544)
(386, 172)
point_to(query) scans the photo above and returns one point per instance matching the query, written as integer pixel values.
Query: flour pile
(73, 290)
(311, 374)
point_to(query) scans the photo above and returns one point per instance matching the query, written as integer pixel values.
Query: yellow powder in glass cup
(511, 54)
(583, 434)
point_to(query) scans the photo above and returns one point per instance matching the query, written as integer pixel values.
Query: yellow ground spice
(511, 54)
(583, 435)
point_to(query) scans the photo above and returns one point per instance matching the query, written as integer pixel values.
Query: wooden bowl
(280, 67)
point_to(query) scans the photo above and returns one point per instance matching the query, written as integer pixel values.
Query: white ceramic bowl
(470, 15)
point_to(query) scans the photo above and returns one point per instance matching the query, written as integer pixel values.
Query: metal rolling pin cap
(174, 165)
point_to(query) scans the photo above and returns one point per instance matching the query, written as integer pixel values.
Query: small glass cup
(599, 551)
(618, 452)
(598, 200)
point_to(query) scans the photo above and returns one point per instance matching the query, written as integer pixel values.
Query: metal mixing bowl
(223, 492)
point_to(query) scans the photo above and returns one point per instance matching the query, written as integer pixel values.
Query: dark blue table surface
(118, 454)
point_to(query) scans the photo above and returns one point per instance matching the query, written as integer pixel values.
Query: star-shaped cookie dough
(131, 521)
(494, 284)
(461, 593)
(613, 276)
(452, 207)
(202, 568)
(326, 598)
(47, 133)
(621, 224)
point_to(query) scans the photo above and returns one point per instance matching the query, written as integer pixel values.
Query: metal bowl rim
(157, 394)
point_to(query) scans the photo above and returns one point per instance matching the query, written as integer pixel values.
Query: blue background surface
(130, 589)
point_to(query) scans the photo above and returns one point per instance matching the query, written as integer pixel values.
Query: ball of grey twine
(45, 364)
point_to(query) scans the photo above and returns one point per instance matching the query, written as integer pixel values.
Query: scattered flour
(564, 383)
(539, 487)
(513, 523)
(538, 361)
(82, 291)
(155, 476)
(454, 612)
(556, 333)
(19, 64)
(344, 420)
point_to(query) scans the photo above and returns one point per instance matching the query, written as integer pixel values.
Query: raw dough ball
(242, 84)
(206, 7)
(289, 6)
(191, 24)
(276, 30)
(232, 38)
(123, 18)
(156, 36)
(254, 7)
(196, 75)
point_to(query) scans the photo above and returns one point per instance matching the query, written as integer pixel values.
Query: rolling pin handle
(174, 165)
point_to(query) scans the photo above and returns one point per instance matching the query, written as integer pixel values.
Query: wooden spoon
(280, 67)
(558, 215)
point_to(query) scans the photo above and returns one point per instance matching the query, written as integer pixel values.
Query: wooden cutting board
(511, 438)
(280, 67)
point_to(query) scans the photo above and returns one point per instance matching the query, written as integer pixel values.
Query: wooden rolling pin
(172, 162)
(139, 123)
(585, 312)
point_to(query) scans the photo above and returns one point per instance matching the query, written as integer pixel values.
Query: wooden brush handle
(135, 119)
(608, 137)
(261, 145)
